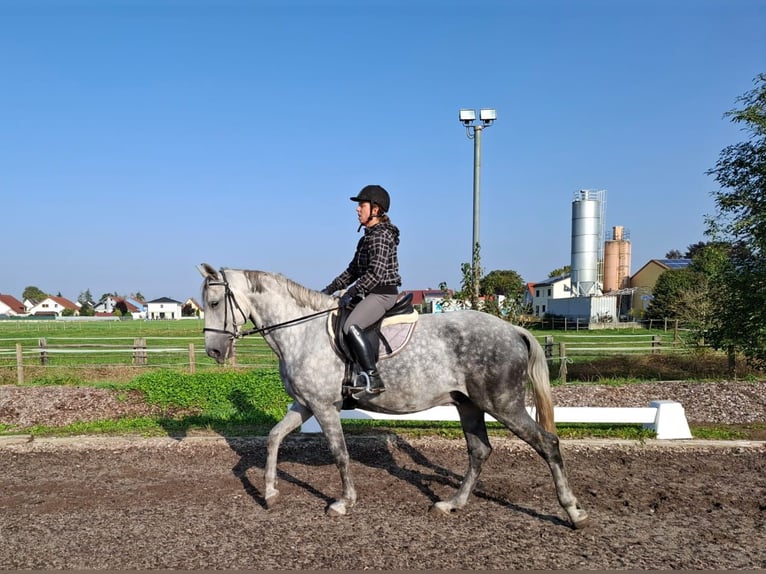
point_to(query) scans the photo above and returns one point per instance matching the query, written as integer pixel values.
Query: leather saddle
(388, 336)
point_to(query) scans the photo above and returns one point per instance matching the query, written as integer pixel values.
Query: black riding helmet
(376, 195)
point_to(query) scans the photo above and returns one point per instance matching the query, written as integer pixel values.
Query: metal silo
(587, 241)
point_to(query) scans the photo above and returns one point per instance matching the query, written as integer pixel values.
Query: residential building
(163, 308)
(543, 292)
(644, 280)
(196, 309)
(11, 306)
(53, 306)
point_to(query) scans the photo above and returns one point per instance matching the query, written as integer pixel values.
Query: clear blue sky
(141, 138)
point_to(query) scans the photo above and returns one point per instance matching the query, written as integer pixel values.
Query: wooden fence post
(563, 362)
(548, 346)
(42, 343)
(139, 351)
(192, 365)
(19, 364)
(233, 353)
(656, 343)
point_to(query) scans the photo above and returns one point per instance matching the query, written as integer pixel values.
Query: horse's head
(223, 313)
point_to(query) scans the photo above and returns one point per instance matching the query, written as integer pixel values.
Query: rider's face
(363, 211)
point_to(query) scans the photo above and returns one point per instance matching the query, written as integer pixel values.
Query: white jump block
(667, 418)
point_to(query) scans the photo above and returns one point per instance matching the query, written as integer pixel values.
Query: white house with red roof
(53, 306)
(11, 306)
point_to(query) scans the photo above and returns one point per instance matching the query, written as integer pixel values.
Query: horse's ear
(207, 270)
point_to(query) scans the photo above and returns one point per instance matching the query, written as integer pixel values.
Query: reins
(237, 334)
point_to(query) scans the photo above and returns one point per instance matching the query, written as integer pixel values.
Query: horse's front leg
(329, 420)
(295, 417)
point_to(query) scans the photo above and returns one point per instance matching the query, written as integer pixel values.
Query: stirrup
(366, 386)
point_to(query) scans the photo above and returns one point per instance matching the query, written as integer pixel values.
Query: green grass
(250, 399)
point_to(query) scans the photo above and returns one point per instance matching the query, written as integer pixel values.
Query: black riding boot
(365, 357)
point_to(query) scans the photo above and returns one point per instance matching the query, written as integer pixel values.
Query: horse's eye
(213, 304)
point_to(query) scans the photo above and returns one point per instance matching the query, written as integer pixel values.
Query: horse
(472, 360)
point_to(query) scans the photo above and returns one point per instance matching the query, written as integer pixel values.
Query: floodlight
(467, 116)
(487, 116)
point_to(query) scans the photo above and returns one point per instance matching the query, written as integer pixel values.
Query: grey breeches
(369, 310)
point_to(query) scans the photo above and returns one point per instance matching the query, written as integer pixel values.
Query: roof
(165, 300)
(674, 263)
(551, 280)
(13, 304)
(666, 264)
(420, 295)
(64, 302)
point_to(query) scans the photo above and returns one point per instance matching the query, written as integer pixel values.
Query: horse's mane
(303, 296)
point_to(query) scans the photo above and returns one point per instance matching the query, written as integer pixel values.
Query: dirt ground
(197, 503)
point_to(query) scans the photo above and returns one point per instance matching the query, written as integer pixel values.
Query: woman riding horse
(374, 272)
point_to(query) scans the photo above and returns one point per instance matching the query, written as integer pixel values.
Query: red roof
(14, 304)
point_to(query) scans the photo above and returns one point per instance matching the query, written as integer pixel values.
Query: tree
(85, 297)
(739, 286)
(671, 288)
(674, 254)
(694, 249)
(33, 293)
(502, 282)
(560, 271)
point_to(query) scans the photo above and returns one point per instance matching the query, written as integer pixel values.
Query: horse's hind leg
(479, 449)
(547, 446)
(295, 417)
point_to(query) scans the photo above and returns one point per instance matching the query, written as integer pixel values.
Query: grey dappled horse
(469, 359)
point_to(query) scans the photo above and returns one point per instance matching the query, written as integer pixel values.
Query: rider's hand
(347, 298)
(345, 301)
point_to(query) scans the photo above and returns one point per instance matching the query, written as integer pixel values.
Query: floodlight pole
(473, 130)
(476, 207)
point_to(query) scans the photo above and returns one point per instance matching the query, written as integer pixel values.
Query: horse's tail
(541, 387)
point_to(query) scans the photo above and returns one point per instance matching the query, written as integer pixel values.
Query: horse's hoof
(441, 509)
(271, 500)
(582, 520)
(337, 508)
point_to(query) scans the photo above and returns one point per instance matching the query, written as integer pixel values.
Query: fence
(134, 354)
(188, 353)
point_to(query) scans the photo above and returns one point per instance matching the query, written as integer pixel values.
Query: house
(53, 306)
(111, 303)
(193, 309)
(163, 308)
(432, 300)
(644, 280)
(543, 292)
(11, 306)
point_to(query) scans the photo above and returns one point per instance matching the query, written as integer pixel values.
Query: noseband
(229, 301)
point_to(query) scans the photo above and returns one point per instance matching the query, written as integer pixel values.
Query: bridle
(230, 302)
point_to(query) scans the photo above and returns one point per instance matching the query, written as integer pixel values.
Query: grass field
(248, 397)
(119, 350)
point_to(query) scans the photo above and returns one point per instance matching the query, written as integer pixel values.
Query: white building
(163, 308)
(554, 288)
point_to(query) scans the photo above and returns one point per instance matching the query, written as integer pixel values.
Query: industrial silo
(587, 241)
(617, 260)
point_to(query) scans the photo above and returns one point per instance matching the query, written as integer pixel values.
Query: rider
(374, 272)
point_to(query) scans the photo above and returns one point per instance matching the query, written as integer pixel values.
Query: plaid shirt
(375, 262)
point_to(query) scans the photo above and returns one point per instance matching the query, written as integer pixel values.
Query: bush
(256, 397)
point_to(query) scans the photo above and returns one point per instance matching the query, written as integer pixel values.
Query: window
(549, 291)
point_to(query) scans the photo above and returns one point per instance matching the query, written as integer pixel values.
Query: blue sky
(142, 138)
